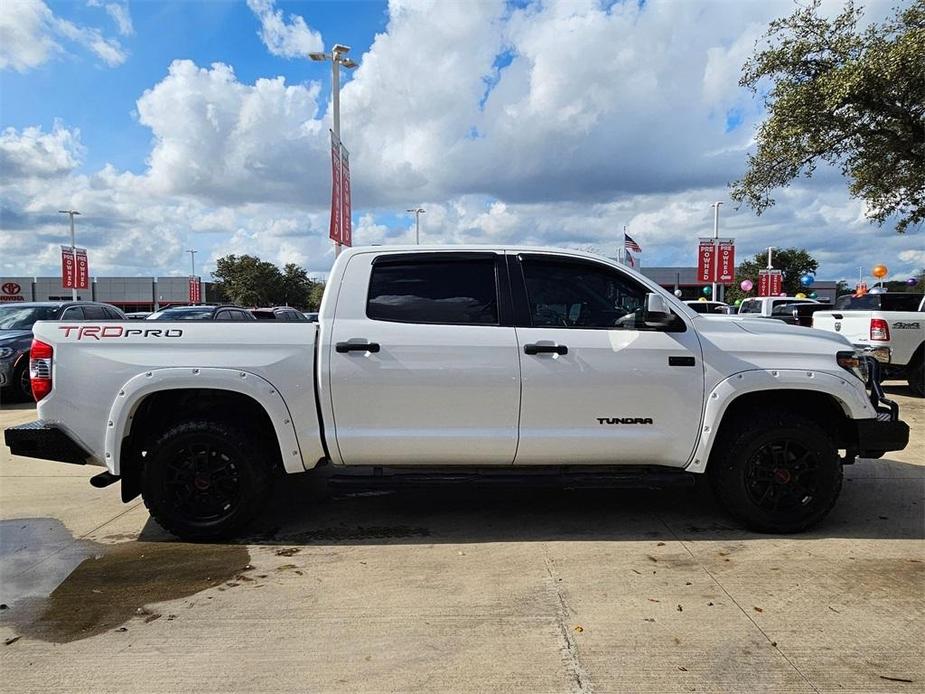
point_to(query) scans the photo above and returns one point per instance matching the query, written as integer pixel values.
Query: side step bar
(563, 477)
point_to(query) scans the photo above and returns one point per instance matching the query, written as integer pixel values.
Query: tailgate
(854, 325)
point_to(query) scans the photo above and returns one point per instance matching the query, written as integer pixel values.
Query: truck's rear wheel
(915, 375)
(776, 472)
(204, 480)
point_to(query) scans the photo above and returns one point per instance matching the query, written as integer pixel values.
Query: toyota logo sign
(11, 288)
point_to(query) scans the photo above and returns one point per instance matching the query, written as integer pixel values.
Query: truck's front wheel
(204, 480)
(777, 472)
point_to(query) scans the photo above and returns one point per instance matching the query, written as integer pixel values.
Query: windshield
(204, 313)
(22, 317)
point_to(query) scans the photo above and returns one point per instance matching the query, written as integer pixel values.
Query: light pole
(192, 261)
(770, 249)
(338, 57)
(418, 211)
(715, 236)
(71, 214)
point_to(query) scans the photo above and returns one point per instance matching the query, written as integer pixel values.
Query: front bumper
(887, 432)
(45, 441)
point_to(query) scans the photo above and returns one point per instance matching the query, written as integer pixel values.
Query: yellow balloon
(800, 295)
(703, 298)
(879, 271)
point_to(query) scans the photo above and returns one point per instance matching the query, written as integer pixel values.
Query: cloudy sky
(176, 125)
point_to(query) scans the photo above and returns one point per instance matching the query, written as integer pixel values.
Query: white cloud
(29, 34)
(34, 153)
(292, 39)
(119, 14)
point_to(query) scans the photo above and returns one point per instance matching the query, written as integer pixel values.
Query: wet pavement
(463, 589)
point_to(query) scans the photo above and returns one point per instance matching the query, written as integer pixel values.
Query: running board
(566, 478)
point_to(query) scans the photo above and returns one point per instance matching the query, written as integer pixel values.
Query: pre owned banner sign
(68, 270)
(195, 290)
(336, 194)
(346, 226)
(706, 261)
(83, 268)
(725, 260)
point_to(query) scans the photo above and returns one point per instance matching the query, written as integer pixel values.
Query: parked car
(799, 313)
(137, 315)
(463, 362)
(233, 313)
(707, 306)
(312, 316)
(893, 332)
(763, 306)
(16, 321)
(281, 313)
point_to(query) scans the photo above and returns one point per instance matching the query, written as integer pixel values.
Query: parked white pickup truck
(889, 326)
(462, 361)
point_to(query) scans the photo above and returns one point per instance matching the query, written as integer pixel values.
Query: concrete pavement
(464, 590)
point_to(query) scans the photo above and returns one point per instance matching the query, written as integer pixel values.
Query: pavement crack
(568, 646)
(735, 602)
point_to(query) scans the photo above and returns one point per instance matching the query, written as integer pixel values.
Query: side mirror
(657, 314)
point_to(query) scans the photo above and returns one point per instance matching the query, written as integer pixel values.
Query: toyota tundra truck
(461, 362)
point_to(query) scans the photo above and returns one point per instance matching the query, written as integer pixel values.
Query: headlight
(853, 362)
(6, 352)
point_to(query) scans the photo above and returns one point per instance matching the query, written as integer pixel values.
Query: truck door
(423, 360)
(598, 386)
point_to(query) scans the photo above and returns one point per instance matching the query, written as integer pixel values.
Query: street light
(71, 214)
(716, 205)
(418, 211)
(338, 58)
(192, 260)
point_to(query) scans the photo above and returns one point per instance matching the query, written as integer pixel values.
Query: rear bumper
(881, 353)
(45, 441)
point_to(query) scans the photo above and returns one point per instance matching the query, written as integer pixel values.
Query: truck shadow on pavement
(881, 499)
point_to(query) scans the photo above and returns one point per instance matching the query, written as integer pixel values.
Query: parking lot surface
(464, 589)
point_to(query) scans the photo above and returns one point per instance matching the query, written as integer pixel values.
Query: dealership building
(152, 293)
(126, 293)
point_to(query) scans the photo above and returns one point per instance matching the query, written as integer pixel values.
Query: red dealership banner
(706, 261)
(770, 282)
(336, 193)
(726, 260)
(346, 226)
(68, 270)
(195, 290)
(83, 268)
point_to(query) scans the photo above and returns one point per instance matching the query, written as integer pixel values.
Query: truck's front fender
(136, 389)
(852, 399)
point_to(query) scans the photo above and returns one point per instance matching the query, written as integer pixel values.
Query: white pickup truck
(461, 361)
(889, 327)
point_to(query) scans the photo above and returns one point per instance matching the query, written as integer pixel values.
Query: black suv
(235, 313)
(16, 321)
(283, 313)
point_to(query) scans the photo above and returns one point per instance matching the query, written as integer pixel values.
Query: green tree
(249, 281)
(839, 95)
(314, 296)
(794, 262)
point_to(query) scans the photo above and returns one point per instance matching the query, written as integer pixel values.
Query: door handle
(545, 349)
(344, 347)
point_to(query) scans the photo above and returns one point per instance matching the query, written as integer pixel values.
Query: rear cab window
(750, 306)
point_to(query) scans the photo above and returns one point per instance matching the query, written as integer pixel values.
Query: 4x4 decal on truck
(99, 332)
(624, 420)
(901, 325)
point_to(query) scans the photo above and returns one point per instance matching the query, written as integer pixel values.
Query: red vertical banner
(776, 282)
(68, 271)
(83, 268)
(706, 261)
(195, 290)
(726, 260)
(764, 283)
(336, 194)
(346, 229)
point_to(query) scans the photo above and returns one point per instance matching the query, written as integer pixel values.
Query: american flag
(630, 260)
(629, 244)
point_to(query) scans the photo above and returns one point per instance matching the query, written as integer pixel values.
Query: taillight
(40, 368)
(879, 330)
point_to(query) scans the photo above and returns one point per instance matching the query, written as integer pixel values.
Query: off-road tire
(226, 456)
(915, 375)
(750, 448)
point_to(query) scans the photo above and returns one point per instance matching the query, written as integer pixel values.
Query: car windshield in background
(204, 313)
(23, 317)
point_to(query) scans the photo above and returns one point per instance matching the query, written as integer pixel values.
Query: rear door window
(94, 313)
(73, 313)
(441, 291)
